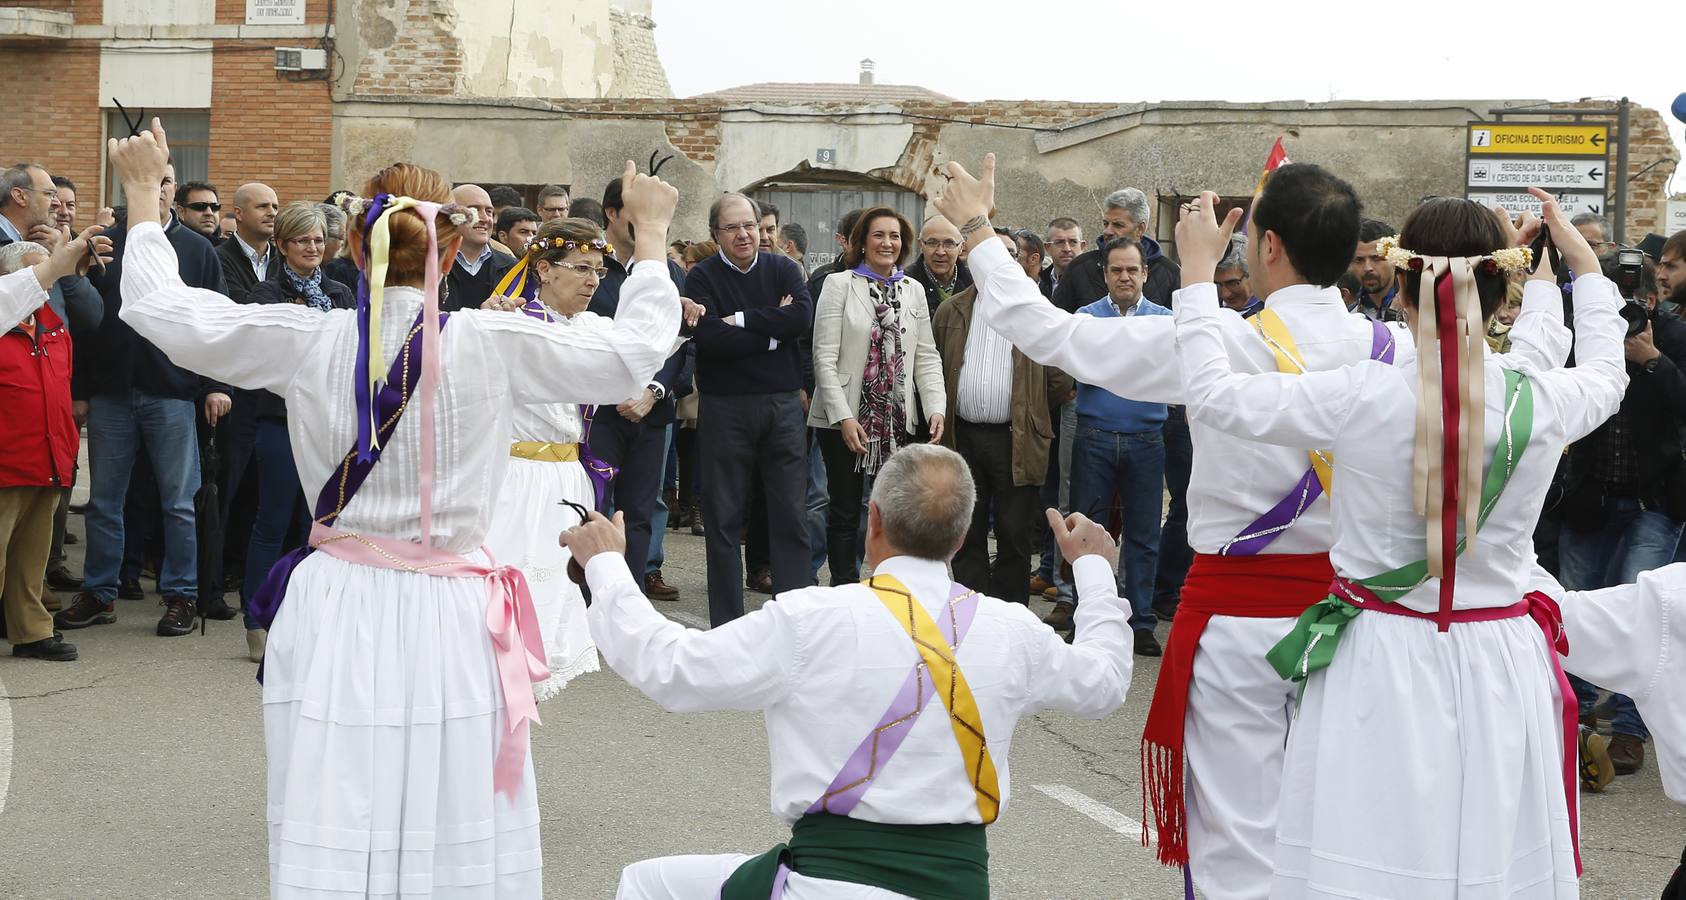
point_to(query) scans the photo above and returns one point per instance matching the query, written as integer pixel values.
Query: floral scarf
(308, 289)
(882, 414)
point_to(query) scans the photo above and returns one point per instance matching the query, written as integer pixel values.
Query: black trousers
(845, 485)
(635, 448)
(747, 439)
(988, 451)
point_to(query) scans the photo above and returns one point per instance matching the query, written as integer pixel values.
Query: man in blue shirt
(1120, 450)
(750, 421)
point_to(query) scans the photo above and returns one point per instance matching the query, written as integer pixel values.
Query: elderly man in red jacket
(38, 432)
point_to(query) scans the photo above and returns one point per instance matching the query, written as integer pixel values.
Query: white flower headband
(1510, 259)
(357, 208)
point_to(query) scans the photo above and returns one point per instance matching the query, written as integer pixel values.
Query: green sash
(1311, 645)
(929, 862)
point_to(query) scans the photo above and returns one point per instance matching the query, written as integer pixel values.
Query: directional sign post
(1571, 160)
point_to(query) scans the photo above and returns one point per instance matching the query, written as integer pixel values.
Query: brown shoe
(760, 581)
(1060, 618)
(657, 589)
(1596, 769)
(179, 613)
(1627, 753)
(1038, 587)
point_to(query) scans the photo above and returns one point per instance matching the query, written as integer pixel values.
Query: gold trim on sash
(1289, 361)
(545, 451)
(951, 687)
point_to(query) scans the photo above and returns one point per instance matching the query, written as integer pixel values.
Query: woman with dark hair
(300, 279)
(398, 675)
(875, 366)
(1434, 754)
(553, 479)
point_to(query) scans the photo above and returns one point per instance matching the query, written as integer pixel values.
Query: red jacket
(36, 427)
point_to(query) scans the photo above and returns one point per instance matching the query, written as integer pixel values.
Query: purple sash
(886, 737)
(389, 405)
(1268, 527)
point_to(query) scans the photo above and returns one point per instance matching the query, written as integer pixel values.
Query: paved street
(139, 772)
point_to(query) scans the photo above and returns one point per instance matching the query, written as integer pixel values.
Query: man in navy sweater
(750, 420)
(136, 396)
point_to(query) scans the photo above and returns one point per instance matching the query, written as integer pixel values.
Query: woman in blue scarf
(296, 277)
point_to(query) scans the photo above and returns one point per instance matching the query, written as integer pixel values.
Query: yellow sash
(1289, 361)
(545, 451)
(950, 685)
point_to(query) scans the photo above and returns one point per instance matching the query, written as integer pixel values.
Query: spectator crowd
(762, 433)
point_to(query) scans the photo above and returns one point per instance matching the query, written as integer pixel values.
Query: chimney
(867, 66)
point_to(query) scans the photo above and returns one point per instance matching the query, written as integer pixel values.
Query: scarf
(882, 414)
(310, 289)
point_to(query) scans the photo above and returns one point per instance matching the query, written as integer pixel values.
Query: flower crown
(357, 208)
(567, 245)
(1510, 259)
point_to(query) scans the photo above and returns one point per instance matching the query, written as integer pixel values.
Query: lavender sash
(886, 737)
(389, 405)
(1268, 527)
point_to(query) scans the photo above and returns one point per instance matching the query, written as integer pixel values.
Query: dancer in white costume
(552, 478)
(1428, 759)
(395, 722)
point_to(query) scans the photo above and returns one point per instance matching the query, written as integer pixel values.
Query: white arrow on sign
(1551, 174)
(1517, 202)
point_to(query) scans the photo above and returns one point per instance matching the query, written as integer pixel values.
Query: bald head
(255, 207)
(476, 237)
(922, 500)
(939, 244)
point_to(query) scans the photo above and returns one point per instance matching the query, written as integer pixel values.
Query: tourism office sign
(1571, 160)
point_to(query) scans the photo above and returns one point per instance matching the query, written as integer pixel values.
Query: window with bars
(190, 145)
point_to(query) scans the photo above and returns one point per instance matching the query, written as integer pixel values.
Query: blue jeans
(281, 507)
(117, 424)
(1632, 540)
(658, 519)
(818, 503)
(1132, 466)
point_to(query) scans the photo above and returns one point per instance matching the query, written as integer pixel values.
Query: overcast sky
(1189, 49)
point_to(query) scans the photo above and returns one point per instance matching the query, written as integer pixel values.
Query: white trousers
(1235, 734)
(700, 877)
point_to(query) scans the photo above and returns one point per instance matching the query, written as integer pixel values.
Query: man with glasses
(1065, 242)
(29, 207)
(1597, 230)
(938, 268)
(247, 256)
(198, 209)
(553, 202)
(749, 373)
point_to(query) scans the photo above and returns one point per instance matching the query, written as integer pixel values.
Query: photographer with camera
(1625, 485)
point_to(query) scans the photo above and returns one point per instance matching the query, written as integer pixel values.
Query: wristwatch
(658, 390)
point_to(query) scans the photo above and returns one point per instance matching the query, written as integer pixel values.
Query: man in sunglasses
(198, 209)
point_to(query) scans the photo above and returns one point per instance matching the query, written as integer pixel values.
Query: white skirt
(1428, 765)
(382, 719)
(525, 527)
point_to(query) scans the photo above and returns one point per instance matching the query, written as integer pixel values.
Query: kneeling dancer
(890, 704)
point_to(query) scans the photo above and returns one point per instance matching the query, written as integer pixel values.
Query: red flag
(1277, 159)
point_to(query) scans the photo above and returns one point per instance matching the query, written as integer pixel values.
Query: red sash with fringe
(1266, 586)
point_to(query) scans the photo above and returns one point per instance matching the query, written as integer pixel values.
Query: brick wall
(424, 59)
(1649, 145)
(233, 12)
(61, 83)
(264, 128)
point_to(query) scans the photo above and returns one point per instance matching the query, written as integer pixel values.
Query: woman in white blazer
(873, 355)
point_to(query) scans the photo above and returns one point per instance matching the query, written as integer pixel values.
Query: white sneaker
(256, 638)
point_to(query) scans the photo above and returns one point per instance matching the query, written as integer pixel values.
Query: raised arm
(747, 664)
(25, 291)
(1539, 341)
(1090, 676)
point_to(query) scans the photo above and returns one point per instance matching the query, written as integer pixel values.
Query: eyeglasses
(308, 242)
(1231, 284)
(51, 193)
(202, 206)
(585, 271)
(939, 244)
(744, 227)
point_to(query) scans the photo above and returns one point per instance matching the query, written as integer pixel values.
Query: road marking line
(5, 744)
(1094, 809)
(688, 620)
